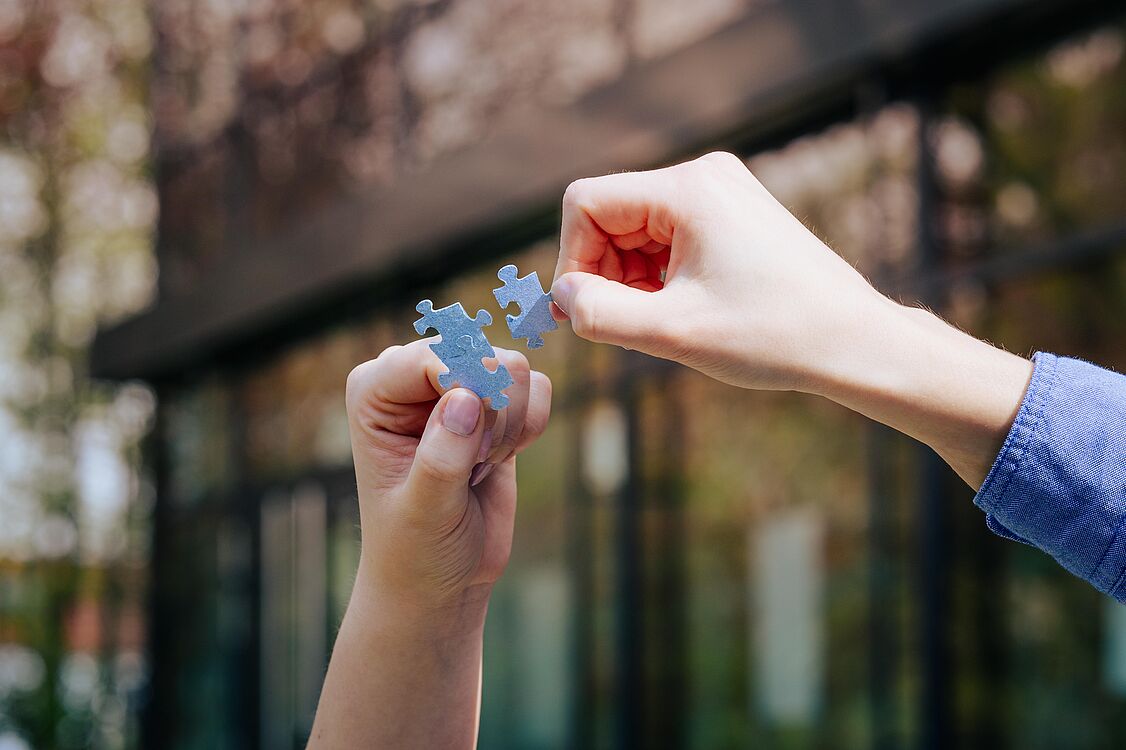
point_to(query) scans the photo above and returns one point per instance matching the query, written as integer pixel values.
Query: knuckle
(723, 160)
(357, 384)
(575, 193)
(364, 377)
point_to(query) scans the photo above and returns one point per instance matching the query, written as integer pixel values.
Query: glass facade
(697, 566)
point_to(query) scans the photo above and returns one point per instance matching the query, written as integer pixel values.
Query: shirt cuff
(1015, 448)
(1053, 484)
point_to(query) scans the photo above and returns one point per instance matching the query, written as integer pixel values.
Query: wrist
(909, 369)
(854, 346)
(403, 672)
(418, 614)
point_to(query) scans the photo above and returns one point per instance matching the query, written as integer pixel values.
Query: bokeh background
(211, 210)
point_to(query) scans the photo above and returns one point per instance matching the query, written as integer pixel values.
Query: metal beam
(784, 59)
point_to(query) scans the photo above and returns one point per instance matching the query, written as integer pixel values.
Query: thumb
(448, 450)
(608, 312)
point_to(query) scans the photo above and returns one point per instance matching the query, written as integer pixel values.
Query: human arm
(698, 263)
(436, 534)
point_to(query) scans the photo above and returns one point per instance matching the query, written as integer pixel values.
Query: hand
(698, 263)
(437, 483)
(434, 527)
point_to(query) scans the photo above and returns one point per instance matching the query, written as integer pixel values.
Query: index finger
(405, 374)
(618, 204)
(396, 388)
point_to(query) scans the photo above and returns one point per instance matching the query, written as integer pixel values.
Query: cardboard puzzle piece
(535, 305)
(462, 347)
(468, 371)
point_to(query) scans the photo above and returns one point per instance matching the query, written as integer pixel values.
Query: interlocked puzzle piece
(462, 347)
(535, 305)
(467, 370)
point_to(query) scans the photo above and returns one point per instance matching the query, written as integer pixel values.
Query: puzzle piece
(535, 305)
(468, 371)
(461, 348)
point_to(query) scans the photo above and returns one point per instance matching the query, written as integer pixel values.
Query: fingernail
(480, 471)
(461, 413)
(561, 292)
(486, 444)
(557, 312)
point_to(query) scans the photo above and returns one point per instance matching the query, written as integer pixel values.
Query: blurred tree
(76, 218)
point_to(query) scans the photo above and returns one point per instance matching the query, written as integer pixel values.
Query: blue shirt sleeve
(1059, 482)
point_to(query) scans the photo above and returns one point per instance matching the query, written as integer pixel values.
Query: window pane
(1037, 150)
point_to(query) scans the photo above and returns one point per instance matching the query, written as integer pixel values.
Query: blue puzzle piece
(461, 348)
(535, 305)
(468, 371)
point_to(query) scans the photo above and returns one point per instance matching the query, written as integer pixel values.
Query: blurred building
(695, 566)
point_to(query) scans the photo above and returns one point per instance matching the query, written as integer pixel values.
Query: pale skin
(659, 262)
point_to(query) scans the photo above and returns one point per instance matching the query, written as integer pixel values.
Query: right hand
(698, 263)
(436, 477)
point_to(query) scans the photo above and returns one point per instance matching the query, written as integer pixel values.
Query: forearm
(910, 370)
(403, 677)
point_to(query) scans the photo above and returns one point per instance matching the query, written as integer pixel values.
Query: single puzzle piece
(451, 323)
(535, 305)
(468, 371)
(461, 348)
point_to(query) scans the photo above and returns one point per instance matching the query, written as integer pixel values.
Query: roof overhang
(783, 60)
